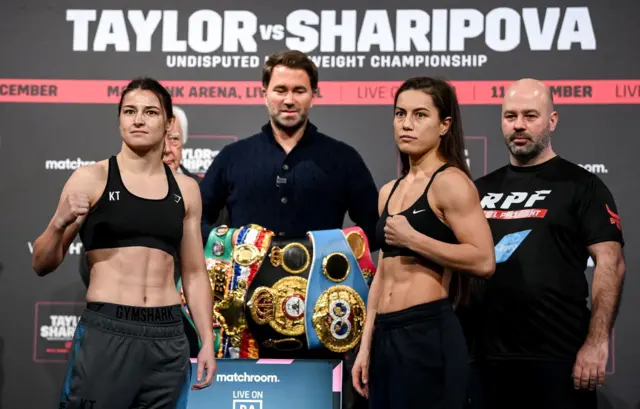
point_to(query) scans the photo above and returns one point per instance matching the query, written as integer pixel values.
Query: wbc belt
(276, 297)
(247, 255)
(217, 254)
(360, 246)
(336, 295)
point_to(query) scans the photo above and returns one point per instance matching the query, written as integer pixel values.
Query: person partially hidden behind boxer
(176, 140)
(535, 342)
(133, 215)
(433, 237)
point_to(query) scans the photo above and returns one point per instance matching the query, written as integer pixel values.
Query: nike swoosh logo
(418, 211)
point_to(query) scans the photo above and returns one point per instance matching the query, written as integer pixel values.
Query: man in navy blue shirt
(290, 178)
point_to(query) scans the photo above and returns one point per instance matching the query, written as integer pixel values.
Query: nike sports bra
(420, 217)
(121, 219)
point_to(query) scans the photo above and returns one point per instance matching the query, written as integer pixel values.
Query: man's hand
(397, 231)
(207, 365)
(608, 279)
(590, 366)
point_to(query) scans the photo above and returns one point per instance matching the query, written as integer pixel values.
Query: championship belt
(360, 246)
(335, 305)
(276, 297)
(217, 253)
(247, 254)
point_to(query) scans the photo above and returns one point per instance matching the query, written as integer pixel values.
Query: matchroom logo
(54, 326)
(66, 164)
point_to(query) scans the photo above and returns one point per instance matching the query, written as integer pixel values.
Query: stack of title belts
(272, 294)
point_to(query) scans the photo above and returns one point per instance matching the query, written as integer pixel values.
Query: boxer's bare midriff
(406, 283)
(137, 276)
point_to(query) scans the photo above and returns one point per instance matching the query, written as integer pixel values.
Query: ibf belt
(247, 254)
(360, 246)
(277, 297)
(336, 294)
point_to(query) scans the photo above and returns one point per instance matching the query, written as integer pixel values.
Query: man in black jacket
(299, 178)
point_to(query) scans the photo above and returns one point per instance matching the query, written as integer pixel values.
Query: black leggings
(418, 359)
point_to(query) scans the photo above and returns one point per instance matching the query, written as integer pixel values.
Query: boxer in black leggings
(433, 237)
(134, 215)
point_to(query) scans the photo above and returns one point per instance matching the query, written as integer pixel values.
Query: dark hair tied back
(451, 150)
(444, 98)
(149, 84)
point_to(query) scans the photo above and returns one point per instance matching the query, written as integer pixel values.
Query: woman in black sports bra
(134, 216)
(434, 237)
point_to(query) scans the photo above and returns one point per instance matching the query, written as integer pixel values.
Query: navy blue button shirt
(312, 188)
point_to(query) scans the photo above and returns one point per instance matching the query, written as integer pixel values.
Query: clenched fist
(72, 207)
(398, 231)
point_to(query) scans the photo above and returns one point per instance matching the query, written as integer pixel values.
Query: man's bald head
(528, 119)
(532, 90)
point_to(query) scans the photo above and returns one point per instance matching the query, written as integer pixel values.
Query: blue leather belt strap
(326, 242)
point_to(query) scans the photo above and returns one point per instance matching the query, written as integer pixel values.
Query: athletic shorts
(128, 357)
(527, 385)
(418, 359)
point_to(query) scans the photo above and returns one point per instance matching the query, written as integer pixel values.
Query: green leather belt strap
(219, 243)
(219, 246)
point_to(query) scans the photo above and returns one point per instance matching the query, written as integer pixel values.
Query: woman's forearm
(460, 257)
(51, 246)
(375, 291)
(197, 290)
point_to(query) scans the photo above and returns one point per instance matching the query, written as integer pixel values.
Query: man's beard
(291, 127)
(530, 151)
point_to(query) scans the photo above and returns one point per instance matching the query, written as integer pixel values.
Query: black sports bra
(121, 219)
(422, 218)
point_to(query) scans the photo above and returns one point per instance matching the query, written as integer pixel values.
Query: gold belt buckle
(246, 254)
(278, 258)
(282, 306)
(339, 317)
(230, 314)
(219, 276)
(356, 242)
(221, 230)
(335, 267)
